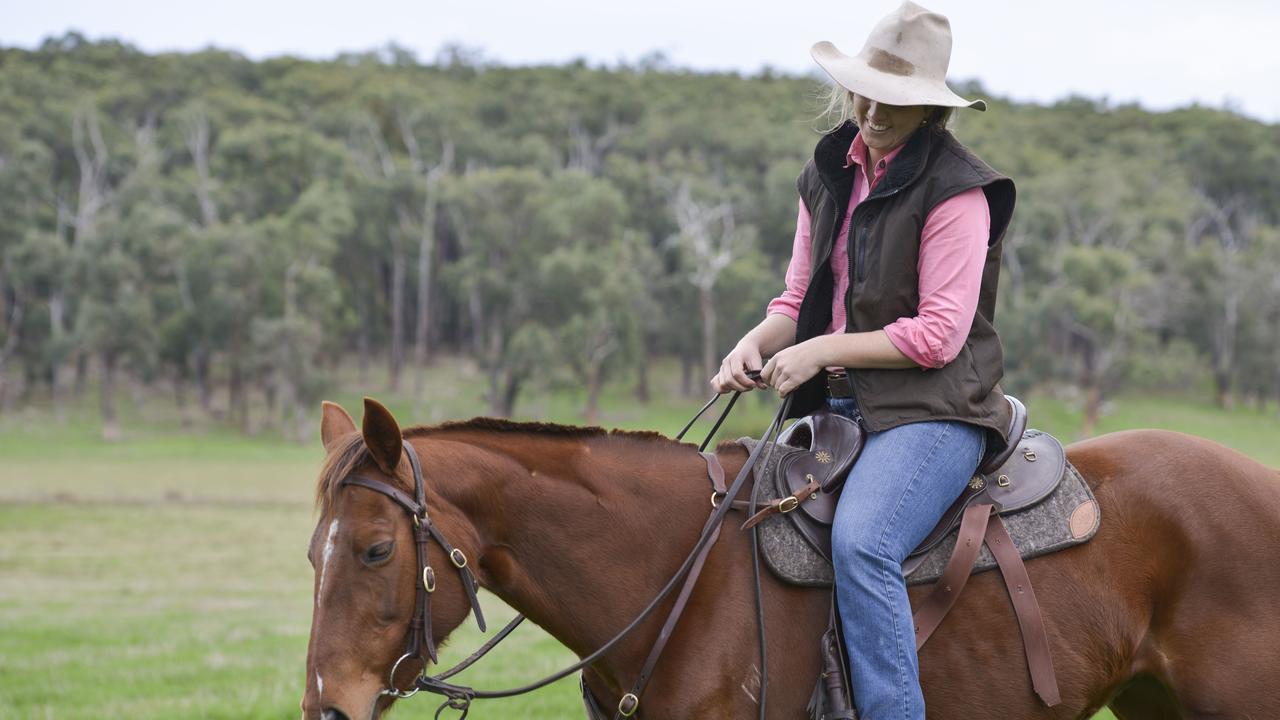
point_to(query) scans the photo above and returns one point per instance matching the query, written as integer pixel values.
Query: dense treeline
(233, 229)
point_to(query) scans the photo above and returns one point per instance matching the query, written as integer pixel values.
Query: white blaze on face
(324, 561)
(319, 684)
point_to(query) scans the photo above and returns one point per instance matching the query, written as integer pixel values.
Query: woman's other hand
(733, 369)
(792, 366)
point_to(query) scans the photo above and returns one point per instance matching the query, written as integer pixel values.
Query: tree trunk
(642, 393)
(1092, 382)
(1092, 409)
(56, 331)
(362, 340)
(1224, 340)
(180, 381)
(204, 384)
(686, 374)
(237, 395)
(6, 395)
(426, 258)
(196, 131)
(272, 393)
(13, 307)
(107, 392)
(1222, 387)
(397, 313)
(475, 308)
(707, 302)
(510, 391)
(499, 376)
(82, 374)
(595, 379)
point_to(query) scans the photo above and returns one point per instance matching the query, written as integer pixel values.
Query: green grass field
(165, 576)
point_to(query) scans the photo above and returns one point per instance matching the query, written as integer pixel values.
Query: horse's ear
(335, 423)
(382, 435)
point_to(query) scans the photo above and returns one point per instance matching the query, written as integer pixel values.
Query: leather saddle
(810, 482)
(1020, 474)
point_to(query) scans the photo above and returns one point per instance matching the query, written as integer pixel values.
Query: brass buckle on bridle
(628, 705)
(458, 559)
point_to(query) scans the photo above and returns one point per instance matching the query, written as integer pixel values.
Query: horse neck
(579, 534)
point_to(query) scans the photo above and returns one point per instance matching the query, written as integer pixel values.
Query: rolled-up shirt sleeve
(953, 251)
(797, 278)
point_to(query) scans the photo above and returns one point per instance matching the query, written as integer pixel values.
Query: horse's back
(1163, 461)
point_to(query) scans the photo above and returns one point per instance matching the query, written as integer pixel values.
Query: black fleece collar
(832, 150)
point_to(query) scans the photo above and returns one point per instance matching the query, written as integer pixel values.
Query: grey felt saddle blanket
(1043, 528)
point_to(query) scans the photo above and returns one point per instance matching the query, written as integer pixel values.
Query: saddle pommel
(811, 480)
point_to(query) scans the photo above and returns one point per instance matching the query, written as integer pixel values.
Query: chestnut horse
(1171, 611)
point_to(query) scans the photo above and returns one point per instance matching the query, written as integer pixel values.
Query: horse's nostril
(332, 714)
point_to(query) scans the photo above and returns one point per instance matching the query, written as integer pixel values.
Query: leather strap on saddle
(811, 481)
(1035, 639)
(981, 524)
(786, 504)
(954, 577)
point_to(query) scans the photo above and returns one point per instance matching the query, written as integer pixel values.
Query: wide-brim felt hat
(904, 61)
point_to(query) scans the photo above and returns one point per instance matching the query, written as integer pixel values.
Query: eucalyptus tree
(1232, 164)
(590, 285)
(289, 334)
(708, 239)
(491, 212)
(118, 268)
(29, 257)
(268, 165)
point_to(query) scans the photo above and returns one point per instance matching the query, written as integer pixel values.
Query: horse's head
(367, 574)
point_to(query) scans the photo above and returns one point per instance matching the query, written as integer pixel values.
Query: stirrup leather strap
(979, 525)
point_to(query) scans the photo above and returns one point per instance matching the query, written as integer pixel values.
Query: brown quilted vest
(884, 246)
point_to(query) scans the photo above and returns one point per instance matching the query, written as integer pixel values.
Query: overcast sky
(1161, 54)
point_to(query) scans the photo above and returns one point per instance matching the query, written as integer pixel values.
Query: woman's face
(885, 127)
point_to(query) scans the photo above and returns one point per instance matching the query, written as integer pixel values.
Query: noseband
(420, 643)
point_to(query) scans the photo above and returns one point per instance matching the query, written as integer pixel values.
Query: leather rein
(420, 643)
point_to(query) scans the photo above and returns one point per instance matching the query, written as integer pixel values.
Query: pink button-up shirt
(953, 250)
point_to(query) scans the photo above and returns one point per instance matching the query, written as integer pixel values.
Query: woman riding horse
(1168, 612)
(887, 318)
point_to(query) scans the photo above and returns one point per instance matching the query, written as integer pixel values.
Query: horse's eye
(379, 553)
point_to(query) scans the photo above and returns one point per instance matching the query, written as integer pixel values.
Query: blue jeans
(904, 480)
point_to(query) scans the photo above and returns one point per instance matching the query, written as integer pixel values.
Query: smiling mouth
(876, 128)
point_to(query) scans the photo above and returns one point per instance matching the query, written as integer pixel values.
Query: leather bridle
(421, 644)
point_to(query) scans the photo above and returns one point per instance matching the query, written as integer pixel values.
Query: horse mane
(351, 452)
(503, 425)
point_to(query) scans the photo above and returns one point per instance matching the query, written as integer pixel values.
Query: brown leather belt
(839, 385)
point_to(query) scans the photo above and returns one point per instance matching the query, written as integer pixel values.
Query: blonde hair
(837, 108)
